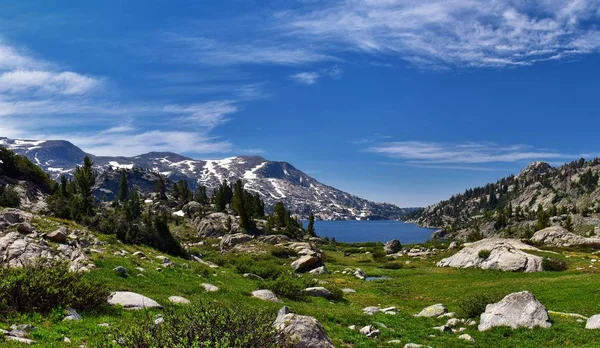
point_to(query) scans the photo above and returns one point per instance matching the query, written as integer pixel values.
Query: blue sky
(393, 100)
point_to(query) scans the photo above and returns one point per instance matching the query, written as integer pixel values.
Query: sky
(406, 102)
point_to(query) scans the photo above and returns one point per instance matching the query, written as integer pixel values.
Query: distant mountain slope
(274, 181)
(512, 203)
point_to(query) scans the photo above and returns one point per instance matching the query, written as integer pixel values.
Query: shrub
(474, 236)
(264, 268)
(9, 197)
(484, 253)
(549, 264)
(393, 265)
(283, 253)
(473, 306)
(379, 255)
(43, 287)
(204, 324)
(288, 286)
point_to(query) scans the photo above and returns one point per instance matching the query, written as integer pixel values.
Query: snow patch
(251, 174)
(115, 164)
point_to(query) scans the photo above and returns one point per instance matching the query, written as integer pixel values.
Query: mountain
(274, 181)
(513, 205)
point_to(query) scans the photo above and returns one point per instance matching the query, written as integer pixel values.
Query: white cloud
(210, 114)
(430, 153)
(64, 83)
(442, 33)
(307, 78)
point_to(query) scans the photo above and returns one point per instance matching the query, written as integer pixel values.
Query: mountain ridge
(273, 180)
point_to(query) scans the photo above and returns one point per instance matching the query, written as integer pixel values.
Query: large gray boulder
(318, 291)
(231, 240)
(505, 255)
(307, 263)
(215, 225)
(560, 237)
(192, 208)
(517, 310)
(131, 300)
(302, 331)
(593, 323)
(392, 247)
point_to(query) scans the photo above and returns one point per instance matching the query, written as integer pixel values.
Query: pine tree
(310, 229)
(543, 220)
(135, 204)
(241, 205)
(123, 188)
(161, 188)
(85, 179)
(201, 196)
(569, 224)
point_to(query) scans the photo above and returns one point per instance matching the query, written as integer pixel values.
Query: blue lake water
(372, 231)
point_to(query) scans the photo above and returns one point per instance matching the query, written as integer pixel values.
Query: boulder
(265, 295)
(392, 247)
(371, 310)
(466, 337)
(179, 300)
(453, 245)
(319, 270)
(433, 311)
(593, 323)
(58, 236)
(72, 315)
(348, 291)
(231, 240)
(25, 228)
(306, 263)
(17, 249)
(504, 254)
(122, 271)
(215, 225)
(12, 216)
(192, 208)
(520, 309)
(303, 331)
(318, 291)
(560, 237)
(131, 300)
(274, 239)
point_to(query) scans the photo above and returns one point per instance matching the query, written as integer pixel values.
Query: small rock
(209, 287)
(448, 315)
(159, 320)
(433, 311)
(466, 337)
(394, 342)
(131, 300)
(414, 345)
(318, 291)
(593, 323)
(58, 236)
(352, 327)
(140, 254)
(20, 339)
(360, 274)
(452, 323)
(371, 310)
(72, 315)
(179, 300)
(319, 270)
(67, 340)
(370, 331)
(252, 276)
(265, 295)
(122, 271)
(443, 328)
(453, 245)
(348, 291)
(390, 310)
(104, 325)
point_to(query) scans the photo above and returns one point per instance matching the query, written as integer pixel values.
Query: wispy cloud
(307, 78)
(440, 33)
(430, 153)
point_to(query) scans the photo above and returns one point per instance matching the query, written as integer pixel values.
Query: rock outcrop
(593, 323)
(302, 331)
(216, 225)
(560, 237)
(231, 240)
(392, 247)
(265, 295)
(504, 254)
(433, 311)
(517, 310)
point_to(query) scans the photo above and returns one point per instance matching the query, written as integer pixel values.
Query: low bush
(288, 286)
(264, 268)
(283, 253)
(379, 255)
(549, 264)
(204, 324)
(42, 288)
(9, 197)
(393, 265)
(484, 254)
(474, 306)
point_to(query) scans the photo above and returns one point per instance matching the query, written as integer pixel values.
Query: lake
(372, 231)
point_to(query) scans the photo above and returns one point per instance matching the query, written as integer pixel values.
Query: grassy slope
(415, 286)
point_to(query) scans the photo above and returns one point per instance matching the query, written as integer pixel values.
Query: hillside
(274, 181)
(513, 205)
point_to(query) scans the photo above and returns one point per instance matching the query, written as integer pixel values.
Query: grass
(411, 287)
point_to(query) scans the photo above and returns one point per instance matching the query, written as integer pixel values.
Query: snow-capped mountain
(274, 181)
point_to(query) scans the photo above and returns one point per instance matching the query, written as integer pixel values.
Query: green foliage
(282, 222)
(181, 192)
(379, 255)
(9, 197)
(160, 187)
(475, 235)
(283, 253)
(543, 218)
(200, 196)
(569, 224)
(549, 264)
(205, 324)
(222, 196)
(21, 168)
(289, 286)
(589, 180)
(43, 287)
(473, 306)
(242, 204)
(265, 268)
(484, 254)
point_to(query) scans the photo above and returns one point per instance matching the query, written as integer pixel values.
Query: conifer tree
(241, 205)
(160, 188)
(123, 188)
(310, 229)
(84, 179)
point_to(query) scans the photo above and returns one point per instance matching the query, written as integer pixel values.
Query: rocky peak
(535, 169)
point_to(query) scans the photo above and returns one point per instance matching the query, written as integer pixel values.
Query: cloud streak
(456, 33)
(430, 153)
